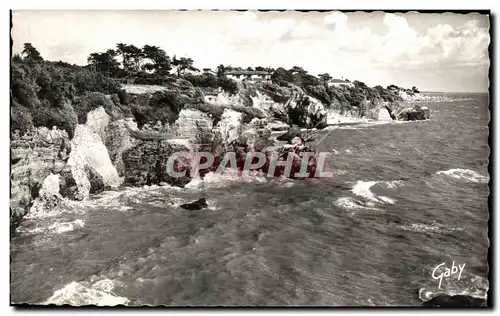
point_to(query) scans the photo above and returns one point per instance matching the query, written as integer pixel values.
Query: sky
(434, 52)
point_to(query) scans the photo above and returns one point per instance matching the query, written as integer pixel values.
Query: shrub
(63, 117)
(281, 75)
(163, 106)
(91, 101)
(23, 85)
(320, 93)
(124, 97)
(20, 118)
(227, 84)
(205, 80)
(86, 80)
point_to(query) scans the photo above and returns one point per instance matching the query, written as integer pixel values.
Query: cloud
(354, 44)
(403, 46)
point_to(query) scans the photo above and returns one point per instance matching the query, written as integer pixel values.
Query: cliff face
(81, 165)
(89, 157)
(130, 137)
(118, 140)
(34, 156)
(146, 162)
(194, 125)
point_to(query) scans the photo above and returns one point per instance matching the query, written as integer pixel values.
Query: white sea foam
(350, 203)
(229, 176)
(392, 184)
(434, 227)
(465, 174)
(66, 226)
(387, 200)
(84, 293)
(57, 228)
(362, 188)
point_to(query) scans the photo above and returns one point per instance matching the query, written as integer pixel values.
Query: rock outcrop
(412, 113)
(34, 156)
(230, 126)
(82, 165)
(196, 205)
(194, 125)
(48, 198)
(455, 301)
(89, 156)
(146, 162)
(118, 140)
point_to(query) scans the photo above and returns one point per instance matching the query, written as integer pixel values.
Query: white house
(208, 70)
(253, 75)
(340, 82)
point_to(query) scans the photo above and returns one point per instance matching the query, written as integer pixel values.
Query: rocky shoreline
(117, 141)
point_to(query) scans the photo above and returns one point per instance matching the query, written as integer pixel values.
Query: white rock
(194, 125)
(230, 125)
(87, 148)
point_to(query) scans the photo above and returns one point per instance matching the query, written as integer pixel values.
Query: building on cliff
(210, 71)
(251, 75)
(340, 82)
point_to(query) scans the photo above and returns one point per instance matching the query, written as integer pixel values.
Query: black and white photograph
(250, 158)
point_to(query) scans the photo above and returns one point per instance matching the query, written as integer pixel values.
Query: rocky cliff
(129, 138)
(79, 166)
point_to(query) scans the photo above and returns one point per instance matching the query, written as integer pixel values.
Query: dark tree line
(149, 58)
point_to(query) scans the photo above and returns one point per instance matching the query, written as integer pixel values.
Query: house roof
(248, 72)
(338, 81)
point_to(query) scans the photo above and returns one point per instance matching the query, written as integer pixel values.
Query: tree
(250, 69)
(415, 90)
(104, 62)
(221, 71)
(260, 68)
(185, 63)
(325, 77)
(160, 61)
(131, 56)
(122, 50)
(180, 64)
(282, 76)
(298, 69)
(16, 58)
(31, 52)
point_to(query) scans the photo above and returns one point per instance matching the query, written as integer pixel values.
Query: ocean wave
(425, 228)
(56, 228)
(392, 184)
(465, 174)
(217, 179)
(99, 293)
(350, 203)
(362, 188)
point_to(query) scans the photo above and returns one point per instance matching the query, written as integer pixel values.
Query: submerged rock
(413, 113)
(455, 301)
(196, 205)
(292, 133)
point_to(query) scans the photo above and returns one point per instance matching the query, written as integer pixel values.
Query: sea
(407, 200)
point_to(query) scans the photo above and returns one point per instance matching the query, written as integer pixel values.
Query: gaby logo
(437, 273)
